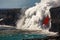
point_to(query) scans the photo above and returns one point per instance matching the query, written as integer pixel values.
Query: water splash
(32, 20)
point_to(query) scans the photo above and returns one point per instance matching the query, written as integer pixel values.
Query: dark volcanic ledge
(16, 31)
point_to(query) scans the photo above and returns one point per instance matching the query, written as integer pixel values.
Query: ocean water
(19, 36)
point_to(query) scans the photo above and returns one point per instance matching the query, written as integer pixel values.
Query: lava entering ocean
(34, 17)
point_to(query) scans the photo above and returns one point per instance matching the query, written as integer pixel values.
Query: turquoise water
(20, 36)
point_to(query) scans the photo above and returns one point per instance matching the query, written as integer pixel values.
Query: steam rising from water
(34, 15)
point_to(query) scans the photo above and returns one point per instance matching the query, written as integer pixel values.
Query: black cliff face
(55, 19)
(9, 16)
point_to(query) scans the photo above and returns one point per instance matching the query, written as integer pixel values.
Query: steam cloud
(34, 16)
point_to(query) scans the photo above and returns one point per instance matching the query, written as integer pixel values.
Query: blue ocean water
(20, 36)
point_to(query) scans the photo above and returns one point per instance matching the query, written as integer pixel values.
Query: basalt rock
(55, 19)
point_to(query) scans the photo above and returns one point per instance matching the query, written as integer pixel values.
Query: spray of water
(34, 16)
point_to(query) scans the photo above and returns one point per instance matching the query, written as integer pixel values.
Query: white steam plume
(34, 15)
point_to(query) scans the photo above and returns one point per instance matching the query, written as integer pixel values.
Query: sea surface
(21, 36)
